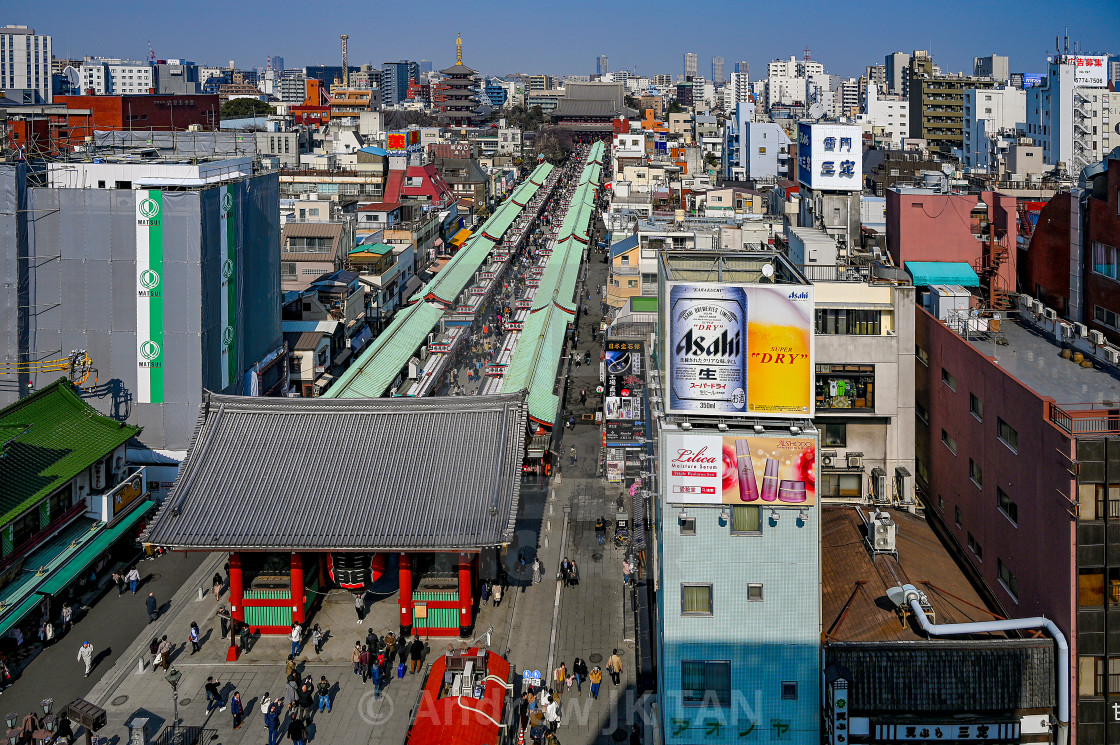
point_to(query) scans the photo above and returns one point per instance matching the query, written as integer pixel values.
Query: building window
(1006, 506)
(957, 516)
(706, 682)
(1008, 436)
(948, 441)
(746, 520)
(688, 525)
(948, 379)
(837, 484)
(940, 503)
(696, 600)
(921, 412)
(1091, 501)
(1104, 259)
(1090, 588)
(1106, 317)
(754, 592)
(287, 269)
(834, 434)
(849, 321)
(1008, 580)
(976, 407)
(845, 387)
(975, 547)
(789, 690)
(976, 473)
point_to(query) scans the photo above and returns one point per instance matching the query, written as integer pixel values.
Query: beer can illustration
(707, 353)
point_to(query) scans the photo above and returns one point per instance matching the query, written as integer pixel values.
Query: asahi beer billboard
(149, 297)
(719, 469)
(739, 349)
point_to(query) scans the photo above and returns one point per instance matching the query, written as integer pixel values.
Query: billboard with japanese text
(830, 156)
(739, 349)
(624, 384)
(1090, 70)
(704, 468)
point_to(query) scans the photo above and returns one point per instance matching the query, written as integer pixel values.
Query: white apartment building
(1072, 113)
(891, 113)
(737, 91)
(755, 150)
(786, 79)
(117, 77)
(990, 118)
(25, 61)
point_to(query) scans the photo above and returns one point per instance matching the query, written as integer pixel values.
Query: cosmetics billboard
(739, 349)
(623, 410)
(718, 469)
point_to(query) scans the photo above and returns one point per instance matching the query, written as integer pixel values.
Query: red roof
(431, 185)
(449, 720)
(379, 207)
(393, 186)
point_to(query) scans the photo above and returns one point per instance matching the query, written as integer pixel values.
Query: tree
(554, 143)
(633, 102)
(674, 108)
(398, 119)
(245, 108)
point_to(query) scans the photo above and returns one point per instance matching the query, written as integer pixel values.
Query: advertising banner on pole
(739, 349)
(725, 469)
(228, 233)
(623, 410)
(149, 296)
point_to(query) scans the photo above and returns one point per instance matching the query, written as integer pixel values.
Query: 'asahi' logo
(150, 352)
(723, 345)
(149, 281)
(227, 269)
(227, 336)
(149, 211)
(227, 202)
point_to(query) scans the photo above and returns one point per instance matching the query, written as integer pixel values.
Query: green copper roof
(59, 436)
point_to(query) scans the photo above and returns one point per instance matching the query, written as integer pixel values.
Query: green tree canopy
(245, 108)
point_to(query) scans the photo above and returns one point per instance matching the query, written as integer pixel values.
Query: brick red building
(1084, 226)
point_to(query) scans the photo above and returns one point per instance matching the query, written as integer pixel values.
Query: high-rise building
(117, 77)
(743, 67)
(395, 77)
(895, 70)
(601, 66)
(691, 70)
(1072, 113)
(717, 69)
(276, 63)
(661, 79)
(937, 103)
(877, 74)
(25, 62)
(739, 90)
(425, 65)
(994, 66)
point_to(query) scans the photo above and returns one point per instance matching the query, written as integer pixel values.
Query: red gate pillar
(236, 587)
(466, 602)
(405, 577)
(297, 589)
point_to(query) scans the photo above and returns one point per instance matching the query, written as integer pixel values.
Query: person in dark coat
(415, 654)
(153, 607)
(297, 733)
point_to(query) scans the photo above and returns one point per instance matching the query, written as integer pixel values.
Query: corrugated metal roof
(345, 481)
(942, 273)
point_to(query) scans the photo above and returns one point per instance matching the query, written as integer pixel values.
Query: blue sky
(565, 37)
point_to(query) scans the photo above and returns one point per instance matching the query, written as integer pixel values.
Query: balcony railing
(1086, 419)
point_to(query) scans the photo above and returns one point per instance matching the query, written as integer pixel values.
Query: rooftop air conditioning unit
(1096, 337)
(1112, 355)
(855, 460)
(884, 533)
(1067, 329)
(828, 458)
(1082, 332)
(1050, 314)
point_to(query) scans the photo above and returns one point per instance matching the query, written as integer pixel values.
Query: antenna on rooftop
(151, 54)
(808, 55)
(345, 60)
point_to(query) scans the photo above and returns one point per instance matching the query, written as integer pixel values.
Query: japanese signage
(719, 469)
(624, 385)
(1005, 731)
(837, 708)
(830, 156)
(1091, 71)
(407, 141)
(720, 728)
(739, 349)
(228, 294)
(149, 296)
(127, 493)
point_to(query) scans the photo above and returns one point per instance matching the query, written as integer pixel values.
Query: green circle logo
(149, 208)
(227, 269)
(149, 279)
(227, 335)
(227, 202)
(149, 350)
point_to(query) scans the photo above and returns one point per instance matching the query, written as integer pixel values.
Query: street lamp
(47, 704)
(173, 677)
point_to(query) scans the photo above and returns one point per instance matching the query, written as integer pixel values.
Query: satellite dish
(768, 270)
(816, 111)
(72, 79)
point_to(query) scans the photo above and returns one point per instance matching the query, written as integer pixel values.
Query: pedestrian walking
(596, 678)
(356, 656)
(573, 573)
(572, 453)
(133, 578)
(560, 678)
(244, 636)
(324, 691)
(579, 668)
(364, 660)
(195, 637)
(164, 652)
(67, 617)
(496, 593)
(625, 571)
(297, 733)
(378, 679)
(217, 584)
(272, 721)
(237, 709)
(297, 638)
(360, 605)
(213, 695)
(225, 617)
(415, 653)
(118, 580)
(601, 530)
(290, 668)
(85, 656)
(317, 638)
(582, 396)
(614, 667)
(291, 691)
(564, 570)
(538, 570)
(552, 714)
(153, 607)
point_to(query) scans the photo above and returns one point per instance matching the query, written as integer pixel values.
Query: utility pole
(345, 60)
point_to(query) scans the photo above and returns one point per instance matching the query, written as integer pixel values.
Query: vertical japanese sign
(149, 296)
(228, 230)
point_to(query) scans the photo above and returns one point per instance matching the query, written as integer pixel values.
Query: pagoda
(456, 96)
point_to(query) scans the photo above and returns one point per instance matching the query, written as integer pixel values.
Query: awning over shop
(461, 237)
(927, 273)
(360, 340)
(17, 615)
(96, 546)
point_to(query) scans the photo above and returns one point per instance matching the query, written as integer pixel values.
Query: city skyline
(1025, 37)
